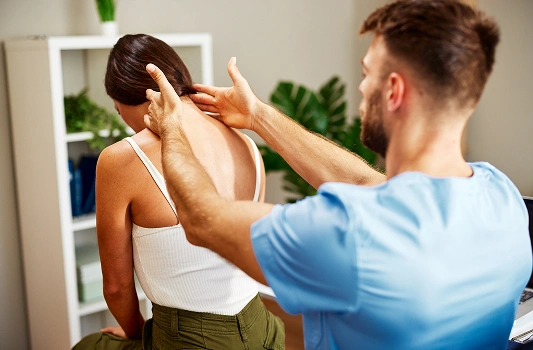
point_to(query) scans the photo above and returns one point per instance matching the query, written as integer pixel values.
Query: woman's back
(226, 155)
(171, 271)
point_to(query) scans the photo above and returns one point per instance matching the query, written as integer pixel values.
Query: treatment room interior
(304, 41)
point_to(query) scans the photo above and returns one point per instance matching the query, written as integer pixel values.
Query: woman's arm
(113, 228)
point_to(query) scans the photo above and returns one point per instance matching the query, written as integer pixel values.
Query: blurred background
(304, 41)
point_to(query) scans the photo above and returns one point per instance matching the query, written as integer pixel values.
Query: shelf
(88, 42)
(87, 135)
(88, 308)
(48, 68)
(84, 222)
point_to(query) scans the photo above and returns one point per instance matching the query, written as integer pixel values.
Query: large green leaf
(302, 105)
(331, 96)
(323, 112)
(281, 98)
(272, 160)
(294, 183)
(313, 115)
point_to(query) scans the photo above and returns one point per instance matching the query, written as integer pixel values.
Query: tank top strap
(257, 160)
(156, 175)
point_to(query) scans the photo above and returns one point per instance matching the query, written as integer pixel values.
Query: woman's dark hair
(450, 44)
(126, 79)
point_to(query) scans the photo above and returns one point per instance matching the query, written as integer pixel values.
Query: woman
(199, 299)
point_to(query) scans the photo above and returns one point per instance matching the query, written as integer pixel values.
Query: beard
(373, 133)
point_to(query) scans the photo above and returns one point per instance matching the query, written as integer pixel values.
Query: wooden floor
(294, 337)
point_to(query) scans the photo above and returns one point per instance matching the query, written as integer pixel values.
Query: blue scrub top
(415, 263)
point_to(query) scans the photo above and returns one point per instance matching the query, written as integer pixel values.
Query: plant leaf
(323, 112)
(331, 96)
(281, 98)
(272, 160)
(83, 114)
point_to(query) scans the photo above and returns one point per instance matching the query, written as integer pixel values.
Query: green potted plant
(106, 11)
(323, 112)
(83, 114)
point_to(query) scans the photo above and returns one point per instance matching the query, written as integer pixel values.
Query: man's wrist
(260, 117)
(171, 130)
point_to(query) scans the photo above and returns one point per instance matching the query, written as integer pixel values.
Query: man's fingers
(151, 94)
(215, 116)
(147, 121)
(202, 99)
(160, 79)
(207, 108)
(206, 89)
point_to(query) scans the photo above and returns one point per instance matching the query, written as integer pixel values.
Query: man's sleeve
(307, 252)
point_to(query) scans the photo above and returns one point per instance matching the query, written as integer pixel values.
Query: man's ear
(395, 91)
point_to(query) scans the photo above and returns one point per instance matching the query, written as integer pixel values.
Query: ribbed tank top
(174, 273)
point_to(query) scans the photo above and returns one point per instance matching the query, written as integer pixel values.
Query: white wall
(501, 130)
(17, 18)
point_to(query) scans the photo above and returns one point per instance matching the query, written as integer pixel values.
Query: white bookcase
(41, 71)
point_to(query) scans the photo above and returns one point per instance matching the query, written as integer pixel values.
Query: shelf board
(88, 42)
(87, 135)
(88, 308)
(79, 136)
(84, 222)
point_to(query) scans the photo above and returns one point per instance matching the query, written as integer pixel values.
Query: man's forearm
(314, 157)
(209, 220)
(189, 186)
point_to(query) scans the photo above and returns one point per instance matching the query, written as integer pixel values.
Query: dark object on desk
(511, 345)
(526, 302)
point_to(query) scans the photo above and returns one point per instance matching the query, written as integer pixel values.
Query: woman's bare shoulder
(117, 156)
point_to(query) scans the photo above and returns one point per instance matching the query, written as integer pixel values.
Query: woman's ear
(395, 91)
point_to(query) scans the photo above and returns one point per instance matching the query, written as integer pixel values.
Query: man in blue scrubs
(432, 255)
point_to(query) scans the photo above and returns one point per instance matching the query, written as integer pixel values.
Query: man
(434, 255)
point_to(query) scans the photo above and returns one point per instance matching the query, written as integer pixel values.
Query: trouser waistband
(172, 319)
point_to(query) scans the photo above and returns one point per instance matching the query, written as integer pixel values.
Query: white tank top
(174, 273)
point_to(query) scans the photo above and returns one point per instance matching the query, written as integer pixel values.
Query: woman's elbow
(115, 290)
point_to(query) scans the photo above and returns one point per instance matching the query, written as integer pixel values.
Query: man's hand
(236, 106)
(166, 109)
(117, 330)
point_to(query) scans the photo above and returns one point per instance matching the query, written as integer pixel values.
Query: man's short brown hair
(449, 44)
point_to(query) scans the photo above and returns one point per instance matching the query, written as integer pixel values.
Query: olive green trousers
(254, 328)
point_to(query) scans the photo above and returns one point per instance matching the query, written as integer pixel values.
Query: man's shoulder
(486, 169)
(489, 178)
(341, 189)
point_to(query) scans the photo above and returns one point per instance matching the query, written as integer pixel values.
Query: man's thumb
(159, 77)
(233, 71)
(147, 121)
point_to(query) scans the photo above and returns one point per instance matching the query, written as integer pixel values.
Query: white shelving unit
(41, 71)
